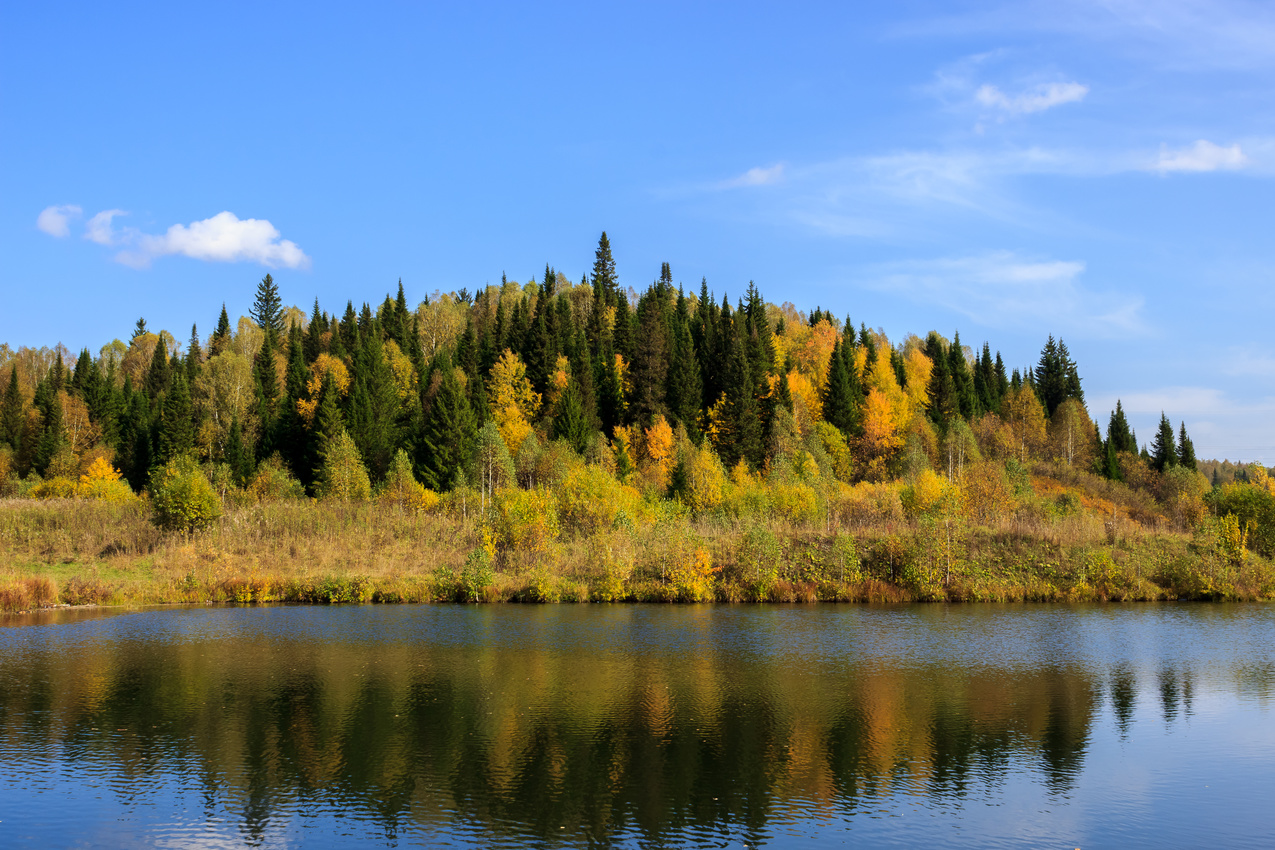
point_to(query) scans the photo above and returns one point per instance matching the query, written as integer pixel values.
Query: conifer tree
(1164, 453)
(220, 339)
(313, 346)
(11, 414)
(1119, 435)
(650, 358)
(570, 421)
(839, 408)
(158, 375)
(1186, 450)
(267, 310)
(139, 329)
(967, 402)
(237, 456)
(176, 430)
(685, 392)
(448, 431)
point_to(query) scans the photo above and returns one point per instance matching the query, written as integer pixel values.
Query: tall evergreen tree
(194, 356)
(176, 428)
(267, 309)
(1186, 450)
(447, 432)
(1119, 435)
(1164, 453)
(220, 339)
(967, 401)
(839, 408)
(11, 414)
(159, 374)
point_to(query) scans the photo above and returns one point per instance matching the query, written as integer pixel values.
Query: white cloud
(1202, 156)
(1036, 99)
(1002, 289)
(55, 220)
(224, 238)
(755, 177)
(99, 228)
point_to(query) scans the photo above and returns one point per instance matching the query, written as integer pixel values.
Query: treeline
(471, 388)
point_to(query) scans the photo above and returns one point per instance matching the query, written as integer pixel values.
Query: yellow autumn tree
(1026, 420)
(659, 449)
(513, 401)
(402, 369)
(324, 368)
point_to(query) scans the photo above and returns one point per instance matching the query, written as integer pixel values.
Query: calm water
(639, 726)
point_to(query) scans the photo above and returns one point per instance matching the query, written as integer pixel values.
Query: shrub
(402, 490)
(54, 488)
(181, 497)
(274, 482)
(103, 482)
(524, 521)
(343, 476)
(590, 500)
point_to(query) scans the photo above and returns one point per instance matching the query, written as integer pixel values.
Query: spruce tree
(158, 375)
(447, 433)
(267, 309)
(1186, 450)
(570, 421)
(194, 356)
(967, 402)
(1119, 435)
(838, 401)
(11, 414)
(176, 429)
(650, 358)
(1164, 453)
(220, 339)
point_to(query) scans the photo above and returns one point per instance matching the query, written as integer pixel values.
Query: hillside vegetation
(556, 441)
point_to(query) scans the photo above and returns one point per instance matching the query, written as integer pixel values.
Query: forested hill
(616, 376)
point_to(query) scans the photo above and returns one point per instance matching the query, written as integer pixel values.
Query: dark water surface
(640, 726)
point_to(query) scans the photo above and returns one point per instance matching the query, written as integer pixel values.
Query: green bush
(181, 497)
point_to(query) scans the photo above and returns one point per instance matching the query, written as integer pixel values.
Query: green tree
(1164, 453)
(1186, 450)
(343, 476)
(11, 413)
(181, 497)
(176, 427)
(448, 431)
(267, 309)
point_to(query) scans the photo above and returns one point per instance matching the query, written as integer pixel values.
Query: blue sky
(1099, 171)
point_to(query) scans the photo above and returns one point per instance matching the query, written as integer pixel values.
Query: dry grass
(80, 552)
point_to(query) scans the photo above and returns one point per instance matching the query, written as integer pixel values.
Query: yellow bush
(795, 503)
(692, 574)
(590, 500)
(523, 521)
(929, 494)
(103, 482)
(869, 502)
(54, 488)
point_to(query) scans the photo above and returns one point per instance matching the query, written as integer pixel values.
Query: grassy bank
(83, 552)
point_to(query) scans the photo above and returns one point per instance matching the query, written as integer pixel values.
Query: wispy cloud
(755, 177)
(1035, 99)
(55, 220)
(100, 230)
(1003, 289)
(1202, 156)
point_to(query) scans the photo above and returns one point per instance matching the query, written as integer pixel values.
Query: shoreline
(80, 553)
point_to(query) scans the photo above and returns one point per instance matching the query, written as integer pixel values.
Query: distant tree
(1164, 453)
(267, 308)
(1186, 450)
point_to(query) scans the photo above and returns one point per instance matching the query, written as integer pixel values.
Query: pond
(639, 726)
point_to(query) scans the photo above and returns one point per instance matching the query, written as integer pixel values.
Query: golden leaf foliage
(523, 521)
(401, 367)
(1026, 419)
(705, 478)
(558, 381)
(1072, 439)
(929, 494)
(103, 482)
(805, 396)
(324, 368)
(837, 449)
(986, 492)
(514, 403)
(659, 449)
(590, 500)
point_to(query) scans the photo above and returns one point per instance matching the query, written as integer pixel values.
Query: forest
(583, 441)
